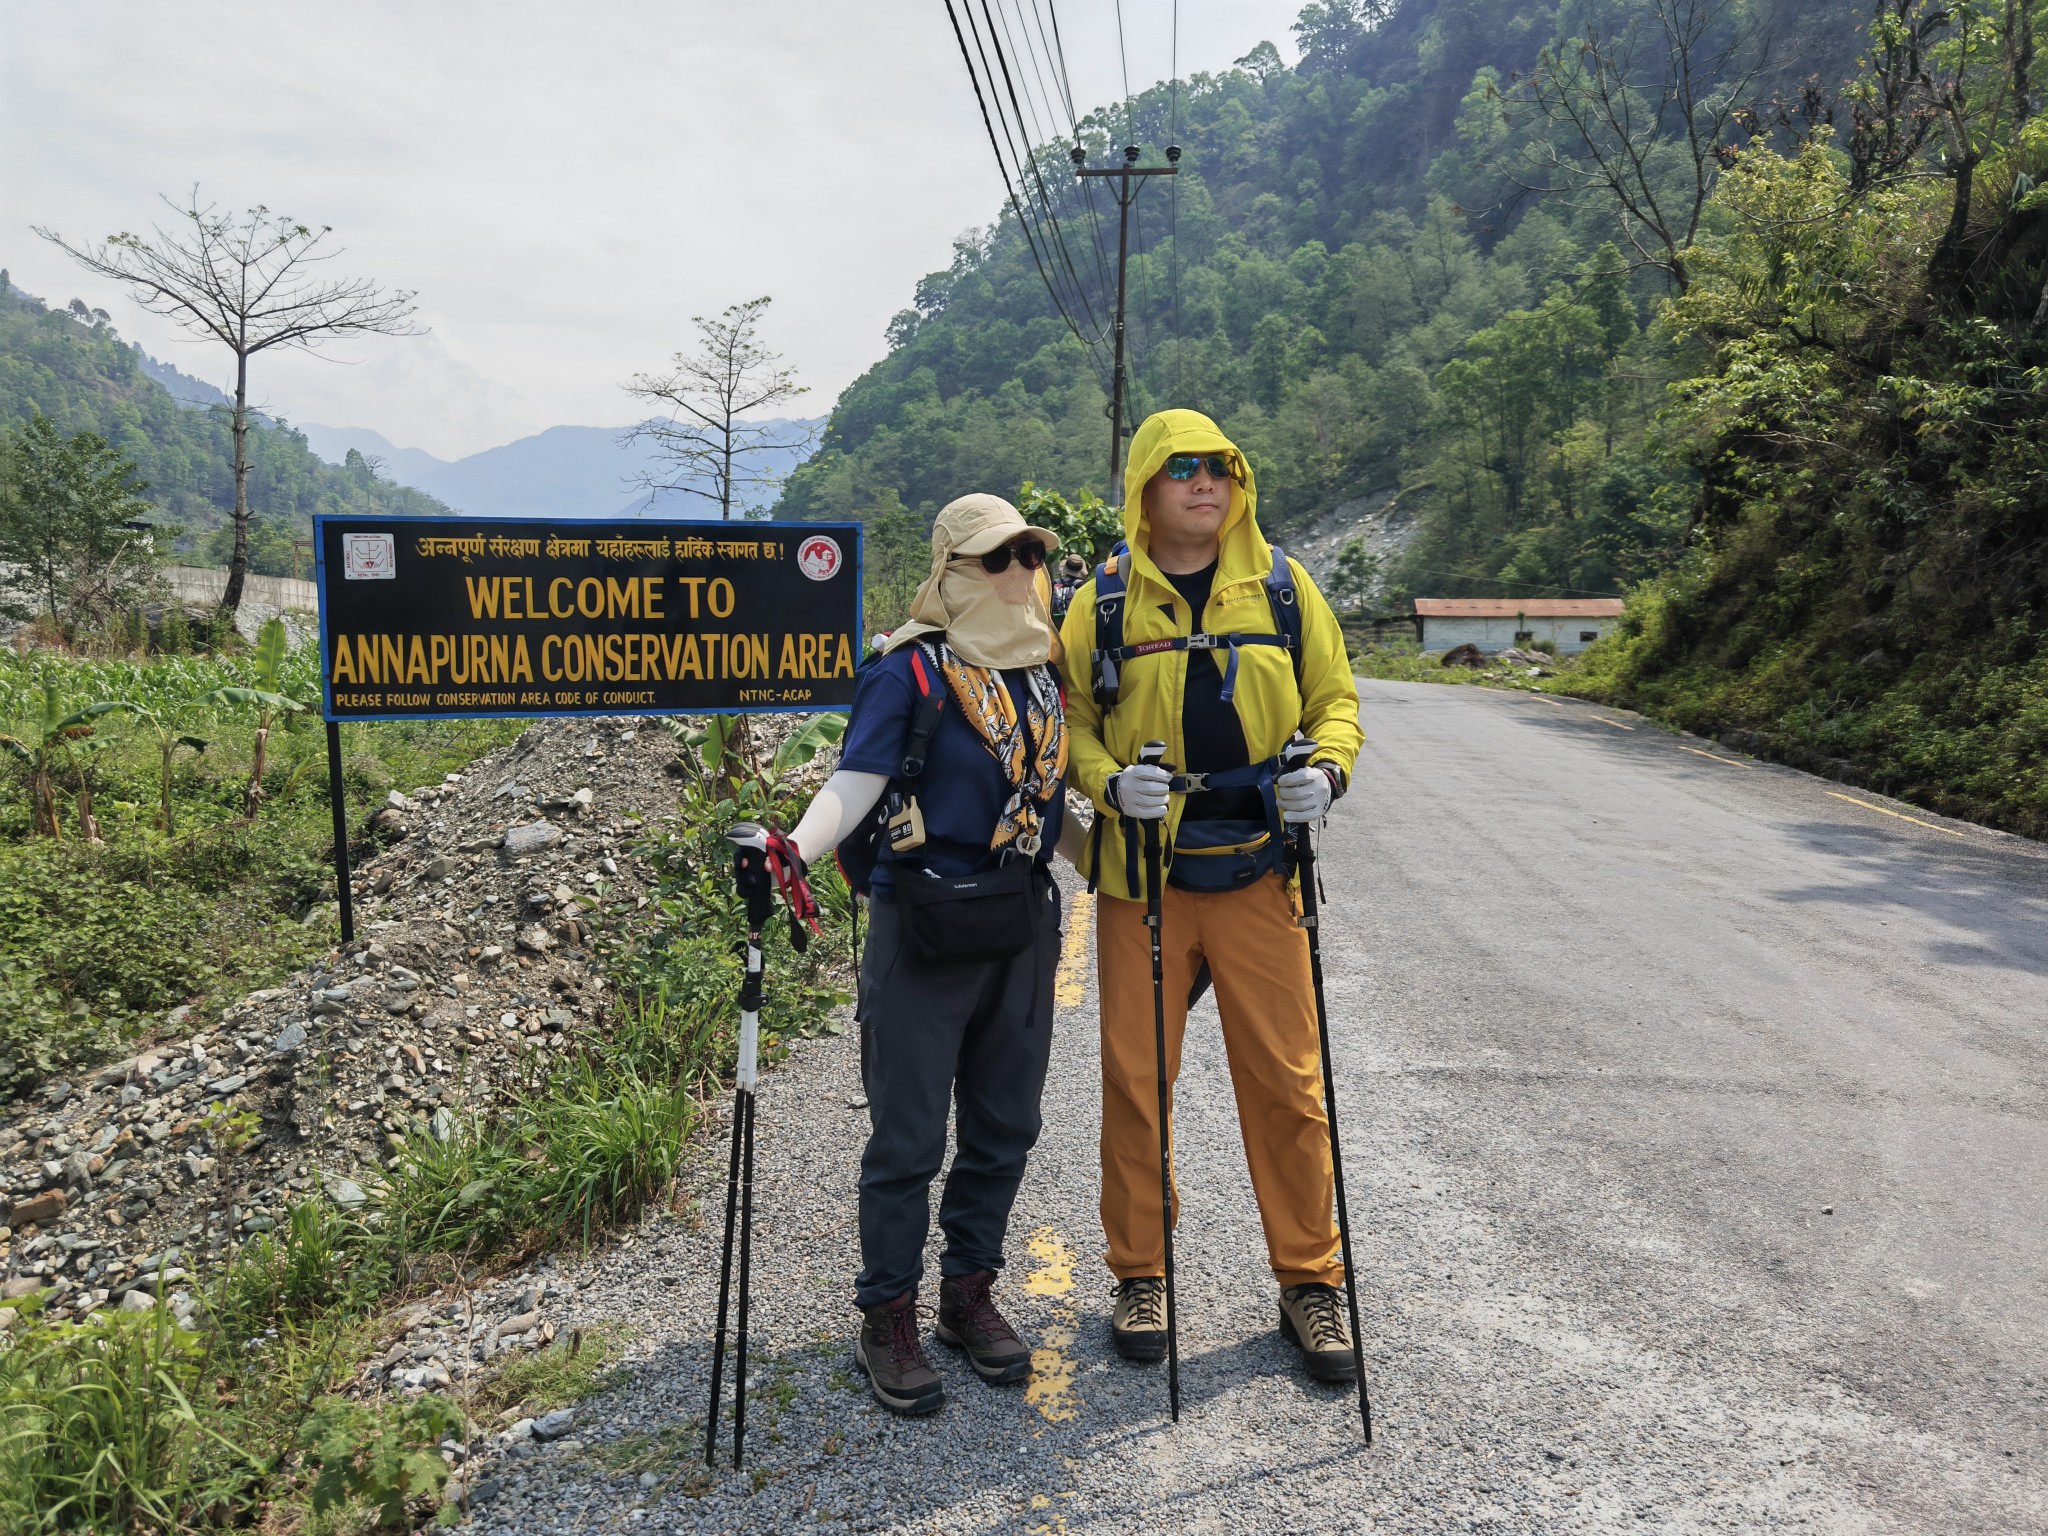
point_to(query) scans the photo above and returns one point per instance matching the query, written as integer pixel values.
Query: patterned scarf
(1032, 762)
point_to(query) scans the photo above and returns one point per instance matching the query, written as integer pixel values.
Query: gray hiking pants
(975, 1036)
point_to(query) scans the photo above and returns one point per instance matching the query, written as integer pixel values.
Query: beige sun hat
(976, 524)
(973, 525)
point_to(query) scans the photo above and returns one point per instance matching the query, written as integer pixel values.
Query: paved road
(1696, 1126)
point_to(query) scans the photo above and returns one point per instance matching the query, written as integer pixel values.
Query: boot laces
(980, 1310)
(1147, 1295)
(1320, 1308)
(904, 1346)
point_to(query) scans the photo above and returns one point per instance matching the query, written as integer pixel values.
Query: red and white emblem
(819, 558)
(368, 557)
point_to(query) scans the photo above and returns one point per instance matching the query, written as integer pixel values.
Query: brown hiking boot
(1312, 1320)
(890, 1356)
(968, 1320)
(1139, 1323)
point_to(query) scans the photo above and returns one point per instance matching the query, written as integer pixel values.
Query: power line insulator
(1173, 154)
(1131, 153)
(1080, 156)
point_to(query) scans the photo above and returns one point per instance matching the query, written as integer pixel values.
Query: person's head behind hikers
(988, 587)
(1185, 488)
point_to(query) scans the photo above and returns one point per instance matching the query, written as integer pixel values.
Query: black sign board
(435, 617)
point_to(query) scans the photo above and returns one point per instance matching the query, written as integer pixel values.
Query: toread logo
(819, 558)
(368, 557)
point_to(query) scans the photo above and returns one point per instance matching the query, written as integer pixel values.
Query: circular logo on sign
(819, 558)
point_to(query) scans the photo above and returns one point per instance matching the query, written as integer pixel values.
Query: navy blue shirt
(962, 790)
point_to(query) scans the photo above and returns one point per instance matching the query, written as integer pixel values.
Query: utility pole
(1126, 193)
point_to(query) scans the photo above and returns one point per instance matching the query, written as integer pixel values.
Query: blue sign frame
(697, 527)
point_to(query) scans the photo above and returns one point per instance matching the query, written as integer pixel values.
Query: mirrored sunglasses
(1028, 553)
(1182, 466)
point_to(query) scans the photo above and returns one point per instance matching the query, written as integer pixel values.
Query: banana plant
(164, 722)
(48, 738)
(265, 698)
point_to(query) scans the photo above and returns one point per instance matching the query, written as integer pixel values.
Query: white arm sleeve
(835, 811)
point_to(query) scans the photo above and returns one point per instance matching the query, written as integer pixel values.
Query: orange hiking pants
(1258, 959)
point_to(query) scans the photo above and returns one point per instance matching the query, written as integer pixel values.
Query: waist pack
(989, 916)
(1222, 855)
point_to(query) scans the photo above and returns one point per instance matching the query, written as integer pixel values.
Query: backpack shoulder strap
(924, 722)
(1109, 626)
(1285, 602)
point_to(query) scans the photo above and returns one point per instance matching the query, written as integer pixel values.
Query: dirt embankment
(470, 970)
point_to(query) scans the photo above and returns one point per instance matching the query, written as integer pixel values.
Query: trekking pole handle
(1296, 753)
(1152, 752)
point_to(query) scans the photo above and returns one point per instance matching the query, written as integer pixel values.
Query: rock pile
(470, 971)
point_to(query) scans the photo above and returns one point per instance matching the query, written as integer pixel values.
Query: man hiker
(1182, 637)
(1073, 574)
(948, 796)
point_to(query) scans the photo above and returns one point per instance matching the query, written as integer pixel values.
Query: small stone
(137, 1300)
(231, 1084)
(344, 1192)
(38, 1208)
(398, 802)
(289, 1039)
(532, 838)
(553, 1426)
(20, 1286)
(648, 1479)
(1827, 1210)
(78, 1170)
(536, 938)
(444, 1124)
(517, 1325)
(520, 1430)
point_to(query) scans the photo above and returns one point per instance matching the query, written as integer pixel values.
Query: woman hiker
(950, 779)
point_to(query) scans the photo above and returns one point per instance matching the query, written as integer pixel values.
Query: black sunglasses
(1182, 466)
(1028, 553)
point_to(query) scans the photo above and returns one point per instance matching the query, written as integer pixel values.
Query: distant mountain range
(562, 472)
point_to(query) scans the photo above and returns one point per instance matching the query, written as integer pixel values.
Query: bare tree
(1651, 116)
(706, 446)
(250, 282)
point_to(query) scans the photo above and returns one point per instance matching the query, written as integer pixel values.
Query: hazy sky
(564, 185)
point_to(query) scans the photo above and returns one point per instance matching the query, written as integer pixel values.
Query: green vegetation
(70, 366)
(109, 918)
(1622, 296)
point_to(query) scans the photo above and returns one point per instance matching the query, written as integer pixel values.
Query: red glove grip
(787, 867)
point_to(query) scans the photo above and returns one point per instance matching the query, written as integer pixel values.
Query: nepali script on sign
(504, 616)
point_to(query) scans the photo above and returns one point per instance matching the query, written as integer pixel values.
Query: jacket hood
(1244, 552)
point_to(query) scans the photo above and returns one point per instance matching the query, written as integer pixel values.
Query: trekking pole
(1296, 755)
(739, 1178)
(1152, 752)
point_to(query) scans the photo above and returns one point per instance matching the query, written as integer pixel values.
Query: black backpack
(860, 850)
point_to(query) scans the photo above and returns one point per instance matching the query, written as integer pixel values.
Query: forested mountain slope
(71, 366)
(1346, 275)
(1763, 348)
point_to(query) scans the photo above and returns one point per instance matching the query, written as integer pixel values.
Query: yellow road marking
(1930, 826)
(1068, 987)
(1051, 1390)
(1696, 752)
(1615, 723)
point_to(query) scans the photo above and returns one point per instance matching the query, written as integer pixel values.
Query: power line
(1002, 166)
(1044, 197)
(1173, 215)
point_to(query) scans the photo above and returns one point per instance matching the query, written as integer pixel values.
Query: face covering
(990, 621)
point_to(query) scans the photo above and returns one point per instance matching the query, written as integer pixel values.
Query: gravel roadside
(1560, 1339)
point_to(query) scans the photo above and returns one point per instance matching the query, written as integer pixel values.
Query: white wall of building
(1490, 635)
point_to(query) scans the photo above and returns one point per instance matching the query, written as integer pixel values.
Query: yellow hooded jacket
(1154, 687)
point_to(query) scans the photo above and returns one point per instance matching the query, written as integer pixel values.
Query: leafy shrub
(383, 1455)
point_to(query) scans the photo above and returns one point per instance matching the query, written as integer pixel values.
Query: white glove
(1139, 791)
(1304, 794)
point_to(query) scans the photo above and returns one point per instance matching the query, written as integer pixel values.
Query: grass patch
(557, 1376)
(98, 940)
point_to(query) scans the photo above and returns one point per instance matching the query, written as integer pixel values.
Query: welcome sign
(437, 617)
